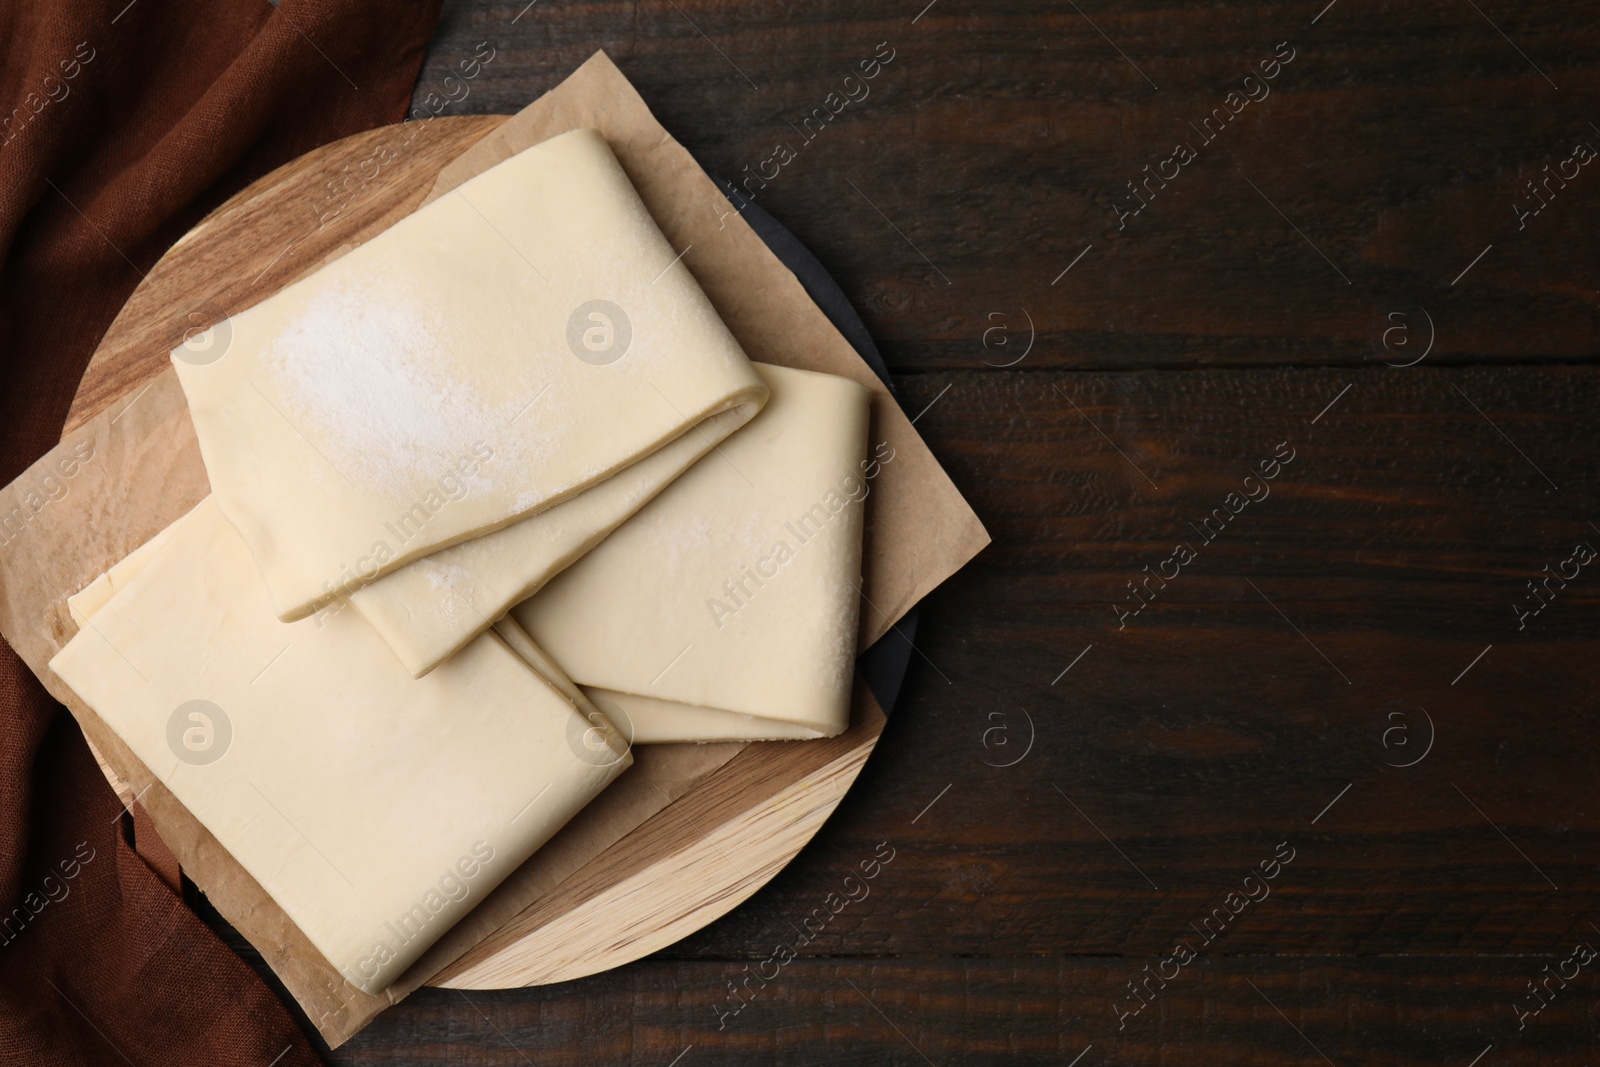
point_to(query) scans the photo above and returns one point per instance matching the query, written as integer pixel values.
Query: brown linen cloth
(121, 124)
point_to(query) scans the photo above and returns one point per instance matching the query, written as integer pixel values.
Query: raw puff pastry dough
(375, 808)
(455, 374)
(429, 609)
(727, 608)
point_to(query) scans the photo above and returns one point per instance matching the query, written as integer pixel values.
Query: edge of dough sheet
(690, 622)
(643, 720)
(369, 935)
(83, 604)
(500, 350)
(652, 721)
(430, 609)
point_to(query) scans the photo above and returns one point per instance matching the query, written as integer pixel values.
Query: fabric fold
(130, 122)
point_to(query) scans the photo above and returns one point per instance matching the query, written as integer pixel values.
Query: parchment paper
(128, 472)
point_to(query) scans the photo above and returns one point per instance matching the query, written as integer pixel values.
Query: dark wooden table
(1350, 672)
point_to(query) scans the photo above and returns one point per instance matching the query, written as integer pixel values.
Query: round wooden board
(676, 872)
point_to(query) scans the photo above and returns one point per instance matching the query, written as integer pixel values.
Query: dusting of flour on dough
(454, 608)
(365, 373)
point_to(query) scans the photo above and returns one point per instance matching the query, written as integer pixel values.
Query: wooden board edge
(697, 885)
(745, 787)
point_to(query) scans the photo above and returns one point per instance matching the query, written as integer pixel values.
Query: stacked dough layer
(375, 808)
(727, 608)
(517, 392)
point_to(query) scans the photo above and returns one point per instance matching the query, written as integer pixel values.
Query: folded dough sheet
(727, 608)
(507, 347)
(375, 808)
(428, 610)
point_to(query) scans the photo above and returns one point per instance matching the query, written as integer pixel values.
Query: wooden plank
(1033, 1012)
(1001, 136)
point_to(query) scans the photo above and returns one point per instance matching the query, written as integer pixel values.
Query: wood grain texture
(909, 1012)
(1001, 135)
(1209, 730)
